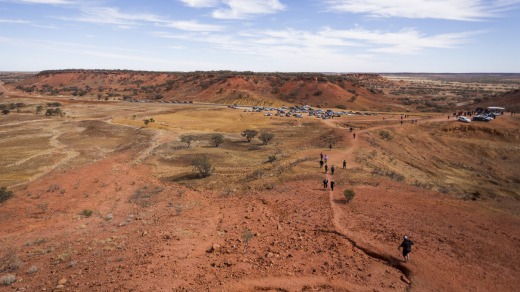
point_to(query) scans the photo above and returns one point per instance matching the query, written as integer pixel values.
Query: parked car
(482, 118)
(464, 119)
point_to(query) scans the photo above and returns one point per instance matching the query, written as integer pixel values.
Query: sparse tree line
(217, 139)
(202, 164)
(6, 108)
(53, 109)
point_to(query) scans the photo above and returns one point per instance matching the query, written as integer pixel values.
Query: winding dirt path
(338, 216)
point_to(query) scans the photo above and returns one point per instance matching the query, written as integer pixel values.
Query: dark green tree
(249, 134)
(265, 137)
(217, 139)
(188, 139)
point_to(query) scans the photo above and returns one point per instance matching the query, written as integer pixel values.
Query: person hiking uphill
(344, 164)
(407, 248)
(332, 183)
(325, 183)
(332, 168)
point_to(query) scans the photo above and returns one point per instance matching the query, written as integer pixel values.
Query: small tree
(217, 139)
(265, 137)
(188, 139)
(249, 134)
(146, 122)
(349, 195)
(39, 109)
(202, 165)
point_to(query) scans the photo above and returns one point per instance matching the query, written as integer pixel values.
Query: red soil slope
(352, 91)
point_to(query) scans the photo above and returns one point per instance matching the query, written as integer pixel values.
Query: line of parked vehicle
(478, 118)
(299, 111)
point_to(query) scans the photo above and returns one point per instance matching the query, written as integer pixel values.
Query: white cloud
(405, 41)
(193, 26)
(325, 41)
(465, 10)
(16, 21)
(123, 20)
(25, 22)
(240, 9)
(200, 3)
(52, 2)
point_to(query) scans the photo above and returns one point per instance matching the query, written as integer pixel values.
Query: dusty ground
(255, 225)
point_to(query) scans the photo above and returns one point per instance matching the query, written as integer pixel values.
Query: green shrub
(217, 139)
(202, 165)
(349, 195)
(265, 137)
(249, 134)
(5, 194)
(385, 135)
(86, 213)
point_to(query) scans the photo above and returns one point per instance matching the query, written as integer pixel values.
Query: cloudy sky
(262, 35)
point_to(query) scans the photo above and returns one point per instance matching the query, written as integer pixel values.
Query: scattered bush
(8, 280)
(341, 106)
(143, 196)
(349, 195)
(5, 194)
(202, 165)
(86, 213)
(385, 135)
(388, 173)
(9, 261)
(188, 139)
(249, 134)
(271, 158)
(217, 139)
(54, 112)
(265, 137)
(32, 270)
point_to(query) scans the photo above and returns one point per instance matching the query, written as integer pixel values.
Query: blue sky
(261, 35)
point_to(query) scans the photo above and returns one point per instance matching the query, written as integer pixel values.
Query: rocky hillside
(352, 91)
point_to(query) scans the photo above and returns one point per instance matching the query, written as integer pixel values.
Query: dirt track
(149, 233)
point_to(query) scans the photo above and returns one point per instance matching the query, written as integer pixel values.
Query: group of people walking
(324, 159)
(406, 244)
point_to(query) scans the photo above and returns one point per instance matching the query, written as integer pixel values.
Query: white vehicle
(464, 119)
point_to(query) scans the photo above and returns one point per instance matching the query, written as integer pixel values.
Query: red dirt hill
(352, 91)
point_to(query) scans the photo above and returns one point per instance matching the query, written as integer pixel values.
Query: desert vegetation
(214, 197)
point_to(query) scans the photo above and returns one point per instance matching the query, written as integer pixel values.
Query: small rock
(406, 280)
(62, 281)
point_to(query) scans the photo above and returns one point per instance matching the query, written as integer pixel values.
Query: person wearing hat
(407, 247)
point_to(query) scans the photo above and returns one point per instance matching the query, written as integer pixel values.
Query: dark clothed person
(407, 248)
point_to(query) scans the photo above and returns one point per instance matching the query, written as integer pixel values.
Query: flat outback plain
(145, 181)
